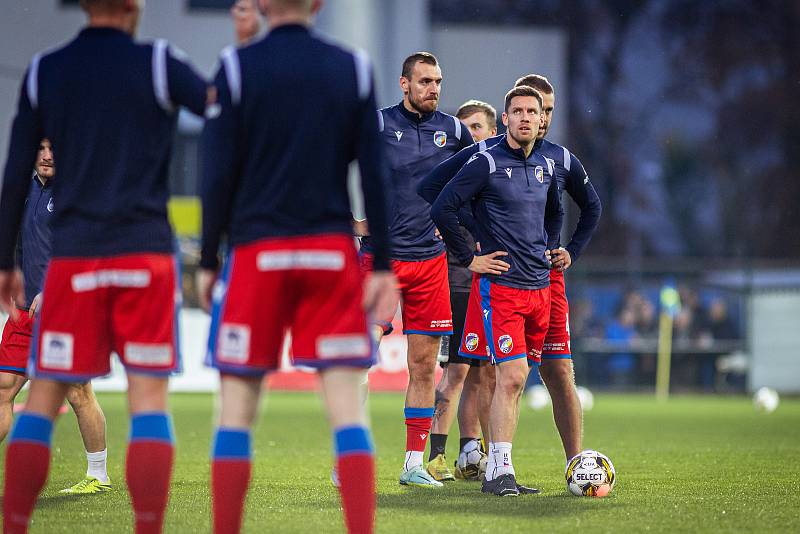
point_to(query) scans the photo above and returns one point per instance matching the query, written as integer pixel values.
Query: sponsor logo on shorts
(535, 354)
(345, 346)
(554, 347)
(233, 344)
(505, 343)
(442, 323)
(136, 278)
(471, 341)
(316, 260)
(57, 350)
(440, 138)
(148, 354)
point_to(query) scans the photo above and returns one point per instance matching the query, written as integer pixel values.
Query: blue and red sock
(355, 464)
(27, 465)
(418, 428)
(148, 469)
(231, 466)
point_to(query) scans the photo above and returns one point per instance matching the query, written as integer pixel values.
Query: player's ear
(404, 84)
(493, 131)
(505, 119)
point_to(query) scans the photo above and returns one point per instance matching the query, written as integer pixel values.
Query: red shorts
(556, 343)
(15, 345)
(93, 306)
(505, 323)
(311, 285)
(425, 294)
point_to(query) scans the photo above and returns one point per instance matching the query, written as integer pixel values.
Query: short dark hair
(474, 106)
(101, 4)
(523, 90)
(417, 57)
(538, 82)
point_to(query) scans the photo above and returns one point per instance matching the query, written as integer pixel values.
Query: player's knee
(557, 373)
(456, 375)
(8, 387)
(421, 364)
(511, 383)
(80, 396)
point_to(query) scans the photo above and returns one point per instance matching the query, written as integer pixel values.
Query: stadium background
(686, 115)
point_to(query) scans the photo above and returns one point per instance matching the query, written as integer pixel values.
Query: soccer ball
(591, 474)
(472, 455)
(585, 397)
(538, 397)
(766, 400)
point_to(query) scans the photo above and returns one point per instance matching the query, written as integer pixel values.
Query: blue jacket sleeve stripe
(490, 159)
(458, 127)
(32, 82)
(363, 74)
(160, 84)
(233, 73)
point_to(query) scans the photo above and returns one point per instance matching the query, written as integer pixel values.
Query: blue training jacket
(295, 111)
(108, 106)
(510, 196)
(569, 173)
(414, 145)
(33, 248)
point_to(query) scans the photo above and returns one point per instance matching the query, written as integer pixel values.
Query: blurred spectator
(246, 20)
(718, 322)
(622, 331)
(647, 320)
(582, 320)
(715, 326)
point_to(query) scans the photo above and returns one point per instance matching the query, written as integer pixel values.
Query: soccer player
(275, 183)
(108, 105)
(511, 191)
(556, 369)
(416, 137)
(462, 376)
(33, 254)
(246, 20)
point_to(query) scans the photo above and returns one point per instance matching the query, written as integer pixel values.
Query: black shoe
(505, 486)
(525, 490)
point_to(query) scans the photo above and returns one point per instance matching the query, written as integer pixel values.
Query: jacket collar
(413, 117)
(516, 153)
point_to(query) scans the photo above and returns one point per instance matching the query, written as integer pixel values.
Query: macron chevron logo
(398, 135)
(508, 171)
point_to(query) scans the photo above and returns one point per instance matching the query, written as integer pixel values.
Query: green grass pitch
(694, 464)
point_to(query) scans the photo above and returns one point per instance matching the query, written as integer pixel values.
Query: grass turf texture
(692, 464)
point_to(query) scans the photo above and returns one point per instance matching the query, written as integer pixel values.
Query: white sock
(413, 459)
(96, 465)
(490, 465)
(502, 459)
